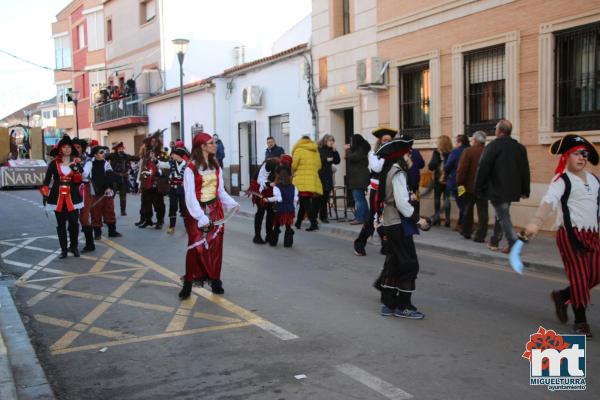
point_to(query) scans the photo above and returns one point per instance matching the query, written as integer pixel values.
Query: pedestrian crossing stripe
(127, 274)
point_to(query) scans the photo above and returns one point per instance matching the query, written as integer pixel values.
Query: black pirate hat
(81, 142)
(96, 149)
(117, 145)
(380, 132)
(181, 152)
(568, 142)
(65, 141)
(395, 149)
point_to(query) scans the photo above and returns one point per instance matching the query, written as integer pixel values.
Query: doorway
(247, 151)
(342, 128)
(175, 131)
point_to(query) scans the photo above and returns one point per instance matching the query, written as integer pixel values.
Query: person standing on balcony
(120, 163)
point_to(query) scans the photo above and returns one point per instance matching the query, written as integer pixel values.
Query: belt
(208, 203)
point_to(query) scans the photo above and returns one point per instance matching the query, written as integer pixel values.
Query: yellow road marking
(58, 351)
(148, 306)
(159, 283)
(215, 318)
(53, 321)
(109, 333)
(96, 313)
(42, 295)
(103, 260)
(103, 274)
(182, 314)
(65, 340)
(81, 295)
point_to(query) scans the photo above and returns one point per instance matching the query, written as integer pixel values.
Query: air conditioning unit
(371, 73)
(252, 97)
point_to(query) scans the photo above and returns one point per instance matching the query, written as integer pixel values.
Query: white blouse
(191, 201)
(278, 198)
(583, 201)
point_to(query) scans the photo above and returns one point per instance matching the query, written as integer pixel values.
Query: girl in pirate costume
(205, 199)
(400, 221)
(383, 136)
(285, 197)
(61, 194)
(263, 185)
(573, 194)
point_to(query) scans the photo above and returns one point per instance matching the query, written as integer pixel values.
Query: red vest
(198, 180)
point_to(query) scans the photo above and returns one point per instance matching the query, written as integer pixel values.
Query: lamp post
(180, 46)
(27, 113)
(73, 96)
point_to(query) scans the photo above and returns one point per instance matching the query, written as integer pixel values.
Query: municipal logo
(556, 361)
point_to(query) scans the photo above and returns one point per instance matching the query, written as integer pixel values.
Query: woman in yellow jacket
(305, 167)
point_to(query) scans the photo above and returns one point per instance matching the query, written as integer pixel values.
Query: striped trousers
(582, 266)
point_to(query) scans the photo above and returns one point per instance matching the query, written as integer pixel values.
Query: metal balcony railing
(132, 106)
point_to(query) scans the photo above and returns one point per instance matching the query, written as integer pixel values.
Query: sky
(27, 33)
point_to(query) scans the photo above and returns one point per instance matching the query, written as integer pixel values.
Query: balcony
(125, 112)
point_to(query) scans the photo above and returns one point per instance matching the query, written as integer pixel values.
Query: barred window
(577, 94)
(485, 99)
(414, 100)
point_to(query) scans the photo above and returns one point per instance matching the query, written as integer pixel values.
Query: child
(574, 193)
(285, 197)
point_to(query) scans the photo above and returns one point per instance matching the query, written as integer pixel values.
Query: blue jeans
(503, 224)
(360, 204)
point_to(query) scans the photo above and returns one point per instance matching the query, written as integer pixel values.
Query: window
(485, 100)
(46, 114)
(97, 82)
(577, 99)
(95, 28)
(147, 11)
(322, 72)
(109, 35)
(279, 129)
(62, 52)
(80, 36)
(64, 107)
(415, 93)
(54, 113)
(340, 14)
(346, 16)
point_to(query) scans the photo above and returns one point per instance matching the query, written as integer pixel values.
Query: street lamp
(73, 96)
(180, 46)
(28, 113)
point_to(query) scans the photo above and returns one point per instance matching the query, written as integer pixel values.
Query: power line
(60, 69)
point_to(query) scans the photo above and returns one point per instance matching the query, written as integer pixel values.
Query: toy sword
(515, 254)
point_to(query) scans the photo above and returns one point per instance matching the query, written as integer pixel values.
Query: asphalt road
(111, 326)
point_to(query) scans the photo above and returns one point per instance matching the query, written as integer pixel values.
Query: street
(110, 325)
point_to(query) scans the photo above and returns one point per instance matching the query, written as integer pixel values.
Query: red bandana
(562, 162)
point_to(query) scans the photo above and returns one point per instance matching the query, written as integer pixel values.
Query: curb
(492, 258)
(29, 377)
(7, 383)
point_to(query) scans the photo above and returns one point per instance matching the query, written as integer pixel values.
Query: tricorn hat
(395, 149)
(96, 149)
(380, 132)
(117, 145)
(181, 152)
(569, 142)
(65, 141)
(81, 142)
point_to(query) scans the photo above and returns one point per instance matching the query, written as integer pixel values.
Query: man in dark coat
(503, 177)
(273, 151)
(465, 177)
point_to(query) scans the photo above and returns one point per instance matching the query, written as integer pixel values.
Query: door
(279, 129)
(247, 152)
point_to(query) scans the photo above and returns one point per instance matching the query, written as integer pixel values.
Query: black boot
(159, 225)
(112, 231)
(274, 237)
(74, 239)
(313, 227)
(89, 239)
(186, 291)
(62, 240)
(258, 240)
(146, 223)
(288, 237)
(141, 221)
(217, 286)
(97, 232)
(359, 248)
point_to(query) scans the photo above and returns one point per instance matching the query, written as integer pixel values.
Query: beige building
(456, 66)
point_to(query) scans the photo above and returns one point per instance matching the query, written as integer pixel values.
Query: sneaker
(386, 311)
(408, 313)
(559, 306)
(359, 249)
(478, 240)
(582, 328)
(171, 231)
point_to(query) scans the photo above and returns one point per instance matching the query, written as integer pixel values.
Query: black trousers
(176, 203)
(261, 210)
(307, 206)
(152, 199)
(470, 202)
(322, 203)
(70, 218)
(123, 188)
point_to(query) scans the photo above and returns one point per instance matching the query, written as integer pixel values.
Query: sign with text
(22, 176)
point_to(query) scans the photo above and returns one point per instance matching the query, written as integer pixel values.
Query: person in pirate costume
(177, 164)
(260, 189)
(61, 194)
(154, 183)
(85, 215)
(400, 221)
(101, 177)
(573, 194)
(205, 200)
(285, 199)
(383, 136)
(120, 163)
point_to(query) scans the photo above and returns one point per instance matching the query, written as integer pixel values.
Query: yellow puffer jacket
(305, 167)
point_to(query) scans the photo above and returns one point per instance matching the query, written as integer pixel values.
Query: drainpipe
(311, 95)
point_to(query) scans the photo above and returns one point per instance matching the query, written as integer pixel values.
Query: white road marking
(20, 246)
(17, 264)
(276, 330)
(372, 382)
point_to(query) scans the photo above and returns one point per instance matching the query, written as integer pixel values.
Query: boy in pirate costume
(205, 199)
(263, 185)
(400, 221)
(62, 197)
(101, 177)
(383, 136)
(285, 198)
(177, 164)
(120, 163)
(85, 216)
(573, 194)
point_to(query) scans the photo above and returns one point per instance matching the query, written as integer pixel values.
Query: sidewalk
(540, 254)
